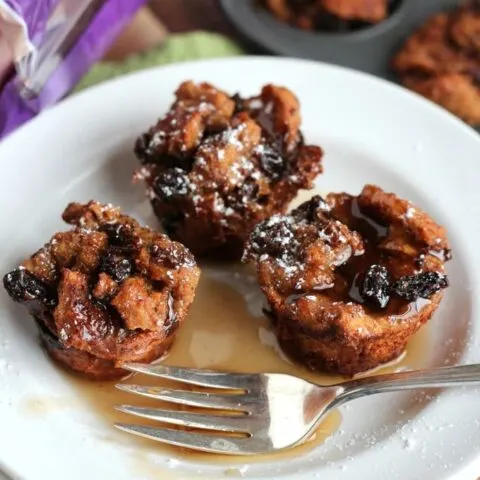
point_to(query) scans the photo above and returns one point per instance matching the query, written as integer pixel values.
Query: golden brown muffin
(465, 27)
(429, 52)
(350, 279)
(106, 292)
(458, 93)
(216, 165)
(372, 11)
(328, 14)
(441, 62)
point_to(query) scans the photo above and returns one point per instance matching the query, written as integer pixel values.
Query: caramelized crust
(371, 11)
(107, 292)
(456, 92)
(350, 279)
(280, 115)
(428, 51)
(245, 160)
(465, 28)
(328, 14)
(441, 61)
(388, 209)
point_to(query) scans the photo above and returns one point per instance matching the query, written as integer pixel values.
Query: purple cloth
(35, 14)
(92, 44)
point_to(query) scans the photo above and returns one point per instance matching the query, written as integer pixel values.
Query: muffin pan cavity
(362, 46)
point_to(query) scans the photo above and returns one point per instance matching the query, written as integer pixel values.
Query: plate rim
(385, 83)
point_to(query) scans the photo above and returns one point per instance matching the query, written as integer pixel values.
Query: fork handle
(392, 382)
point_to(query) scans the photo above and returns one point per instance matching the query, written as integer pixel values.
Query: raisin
(239, 103)
(145, 151)
(447, 254)
(263, 200)
(141, 148)
(117, 266)
(213, 129)
(421, 285)
(173, 257)
(268, 312)
(272, 163)
(119, 234)
(375, 288)
(315, 208)
(171, 183)
(273, 237)
(22, 286)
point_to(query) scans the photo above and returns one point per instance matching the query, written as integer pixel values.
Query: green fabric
(176, 48)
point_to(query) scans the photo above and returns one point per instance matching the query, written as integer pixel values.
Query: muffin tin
(369, 49)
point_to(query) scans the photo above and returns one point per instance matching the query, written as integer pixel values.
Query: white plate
(372, 131)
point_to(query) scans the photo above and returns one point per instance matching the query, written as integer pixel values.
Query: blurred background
(153, 23)
(86, 42)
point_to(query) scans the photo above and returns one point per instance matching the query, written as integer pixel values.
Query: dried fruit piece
(272, 236)
(171, 183)
(115, 265)
(141, 148)
(312, 209)
(375, 288)
(421, 285)
(22, 286)
(118, 234)
(272, 162)
(239, 103)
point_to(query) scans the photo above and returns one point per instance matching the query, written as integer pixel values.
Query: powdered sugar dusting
(410, 213)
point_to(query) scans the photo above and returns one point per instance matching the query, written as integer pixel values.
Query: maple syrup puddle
(226, 330)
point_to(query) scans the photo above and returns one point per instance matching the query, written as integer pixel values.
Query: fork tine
(224, 423)
(194, 399)
(198, 441)
(204, 378)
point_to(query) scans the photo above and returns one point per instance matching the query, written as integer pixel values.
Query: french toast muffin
(328, 14)
(215, 165)
(441, 61)
(349, 279)
(106, 292)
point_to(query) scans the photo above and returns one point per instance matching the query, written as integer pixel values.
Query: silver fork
(272, 411)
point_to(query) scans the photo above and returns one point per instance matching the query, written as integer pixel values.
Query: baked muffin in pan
(441, 61)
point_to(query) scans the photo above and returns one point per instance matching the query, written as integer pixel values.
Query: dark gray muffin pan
(369, 49)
